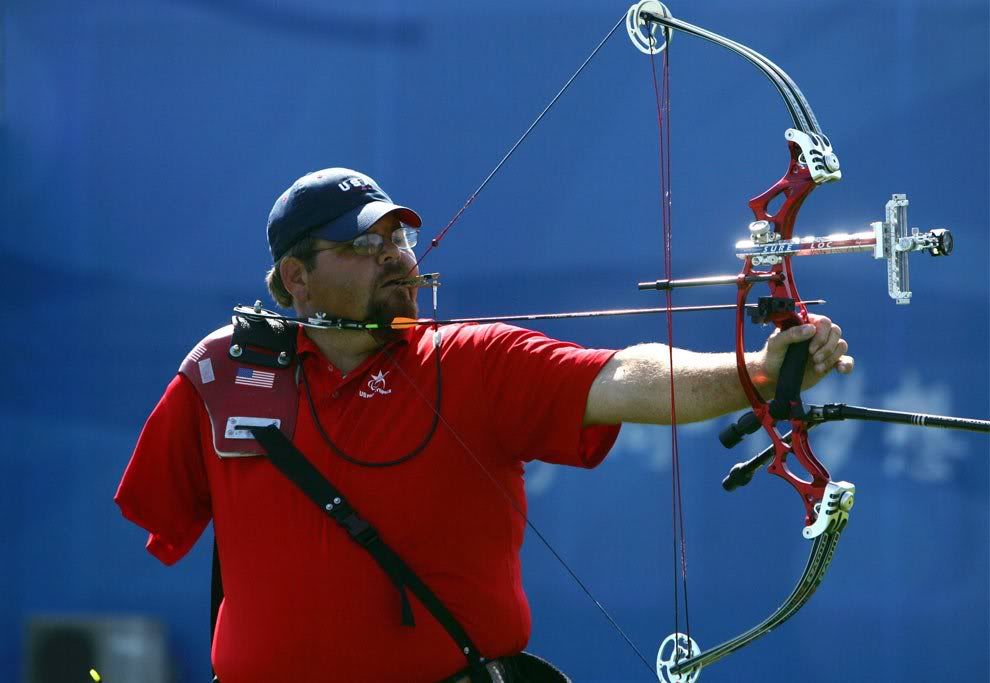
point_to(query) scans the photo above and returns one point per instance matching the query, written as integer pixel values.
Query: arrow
(405, 323)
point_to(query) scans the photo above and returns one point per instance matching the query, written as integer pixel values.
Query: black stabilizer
(742, 472)
(734, 433)
(740, 475)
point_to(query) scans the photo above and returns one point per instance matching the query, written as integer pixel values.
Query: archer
(365, 479)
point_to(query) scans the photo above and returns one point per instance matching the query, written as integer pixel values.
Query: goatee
(384, 312)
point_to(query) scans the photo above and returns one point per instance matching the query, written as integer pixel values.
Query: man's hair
(302, 250)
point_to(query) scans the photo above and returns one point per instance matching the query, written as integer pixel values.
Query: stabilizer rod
(741, 473)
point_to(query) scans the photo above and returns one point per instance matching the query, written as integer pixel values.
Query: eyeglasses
(371, 243)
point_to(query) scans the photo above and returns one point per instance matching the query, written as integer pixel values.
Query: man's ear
(295, 279)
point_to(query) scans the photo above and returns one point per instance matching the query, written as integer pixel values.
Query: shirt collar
(305, 345)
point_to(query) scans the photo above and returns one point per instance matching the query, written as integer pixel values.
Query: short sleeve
(164, 488)
(538, 392)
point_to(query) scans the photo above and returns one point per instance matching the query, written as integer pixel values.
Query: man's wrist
(756, 366)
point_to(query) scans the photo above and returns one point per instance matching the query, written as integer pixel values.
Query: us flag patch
(254, 378)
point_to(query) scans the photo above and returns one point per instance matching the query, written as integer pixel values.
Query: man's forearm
(635, 386)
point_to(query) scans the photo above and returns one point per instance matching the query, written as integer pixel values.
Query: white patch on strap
(206, 371)
(236, 426)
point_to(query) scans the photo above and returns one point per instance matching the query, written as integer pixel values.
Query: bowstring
(661, 92)
(676, 451)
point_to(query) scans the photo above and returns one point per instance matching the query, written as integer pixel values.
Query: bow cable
(435, 242)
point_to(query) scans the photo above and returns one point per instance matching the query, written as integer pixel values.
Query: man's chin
(396, 306)
(385, 315)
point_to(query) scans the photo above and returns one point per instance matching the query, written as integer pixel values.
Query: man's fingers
(826, 350)
(830, 350)
(796, 334)
(827, 334)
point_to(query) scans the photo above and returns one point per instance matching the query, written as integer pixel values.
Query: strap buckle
(357, 528)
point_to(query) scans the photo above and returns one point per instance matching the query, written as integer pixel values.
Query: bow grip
(786, 403)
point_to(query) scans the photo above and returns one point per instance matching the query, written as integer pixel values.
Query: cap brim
(361, 218)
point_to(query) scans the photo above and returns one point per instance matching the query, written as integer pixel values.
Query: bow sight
(888, 239)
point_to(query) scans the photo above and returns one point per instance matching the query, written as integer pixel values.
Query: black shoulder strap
(294, 465)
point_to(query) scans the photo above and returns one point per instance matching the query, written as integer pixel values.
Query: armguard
(245, 373)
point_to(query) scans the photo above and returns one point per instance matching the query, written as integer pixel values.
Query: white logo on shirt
(376, 385)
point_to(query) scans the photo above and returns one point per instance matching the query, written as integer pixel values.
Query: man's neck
(345, 349)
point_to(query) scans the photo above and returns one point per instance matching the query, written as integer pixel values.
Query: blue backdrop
(143, 144)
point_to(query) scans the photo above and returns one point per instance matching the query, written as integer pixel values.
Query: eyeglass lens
(372, 243)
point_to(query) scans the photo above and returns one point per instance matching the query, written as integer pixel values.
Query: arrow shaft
(581, 314)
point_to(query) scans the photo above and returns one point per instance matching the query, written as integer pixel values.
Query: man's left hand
(825, 352)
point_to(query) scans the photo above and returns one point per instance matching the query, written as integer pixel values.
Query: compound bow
(767, 257)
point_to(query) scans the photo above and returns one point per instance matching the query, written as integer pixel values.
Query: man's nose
(390, 252)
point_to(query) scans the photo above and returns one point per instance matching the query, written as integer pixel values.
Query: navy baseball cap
(335, 204)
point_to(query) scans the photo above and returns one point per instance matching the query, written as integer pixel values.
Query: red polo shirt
(303, 601)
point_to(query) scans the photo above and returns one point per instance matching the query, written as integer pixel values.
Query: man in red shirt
(427, 435)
